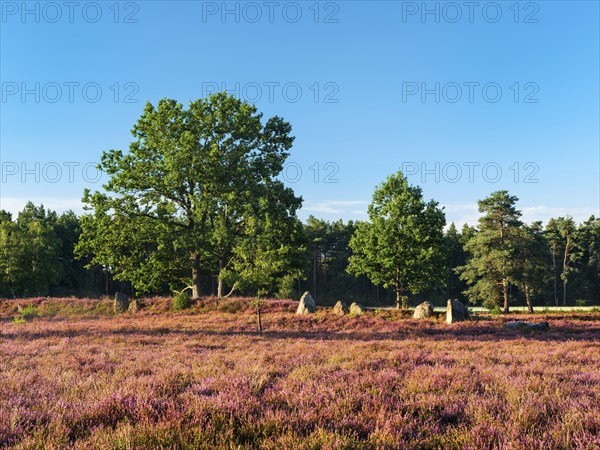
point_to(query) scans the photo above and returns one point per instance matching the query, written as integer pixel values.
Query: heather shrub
(234, 305)
(181, 301)
(105, 307)
(210, 381)
(49, 308)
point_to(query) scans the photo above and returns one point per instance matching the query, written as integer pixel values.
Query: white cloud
(461, 214)
(468, 213)
(543, 213)
(340, 207)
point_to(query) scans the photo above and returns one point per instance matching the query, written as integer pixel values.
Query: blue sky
(468, 101)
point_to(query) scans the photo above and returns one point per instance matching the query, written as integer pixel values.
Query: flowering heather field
(79, 377)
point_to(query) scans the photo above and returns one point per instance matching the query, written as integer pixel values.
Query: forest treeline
(37, 259)
(197, 206)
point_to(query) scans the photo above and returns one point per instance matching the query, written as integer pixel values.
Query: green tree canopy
(185, 198)
(588, 242)
(493, 248)
(29, 252)
(402, 245)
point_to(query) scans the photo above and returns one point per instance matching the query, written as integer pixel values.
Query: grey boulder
(423, 311)
(307, 304)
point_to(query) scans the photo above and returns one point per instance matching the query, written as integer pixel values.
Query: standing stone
(134, 306)
(121, 303)
(340, 309)
(307, 305)
(423, 311)
(456, 312)
(356, 309)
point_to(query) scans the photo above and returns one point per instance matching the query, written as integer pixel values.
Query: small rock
(423, 311)
(307, 305)
(542, 326)
(518, 325)
(356, 309)
(340, 309)
(456, 312)
(121, 303)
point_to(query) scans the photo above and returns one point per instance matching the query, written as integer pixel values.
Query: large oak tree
(191, 192)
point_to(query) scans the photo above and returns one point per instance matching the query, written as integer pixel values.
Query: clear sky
(466, 97)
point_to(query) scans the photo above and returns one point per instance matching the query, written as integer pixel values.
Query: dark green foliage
(531, 266)
(456, 256)
(29, 252)
(492, 264)
(327, 259)
(562, 238)
(587, 279)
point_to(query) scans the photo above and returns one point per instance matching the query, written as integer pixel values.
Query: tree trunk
(565, 268)
(528, 299)
(196, 288)
(505, 294)
(399, 300)
(314, 293)
(554, 273)
(220, 286)
(106, 280)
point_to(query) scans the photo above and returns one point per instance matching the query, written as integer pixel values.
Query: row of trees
(502, 260)
(37, 254)
(197, 204)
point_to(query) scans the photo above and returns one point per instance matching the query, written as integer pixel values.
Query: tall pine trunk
(398, 299)
(565, 268)
(528, 299)
(314, 293)
(196, 288)
(554, 273)
(505, 294)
